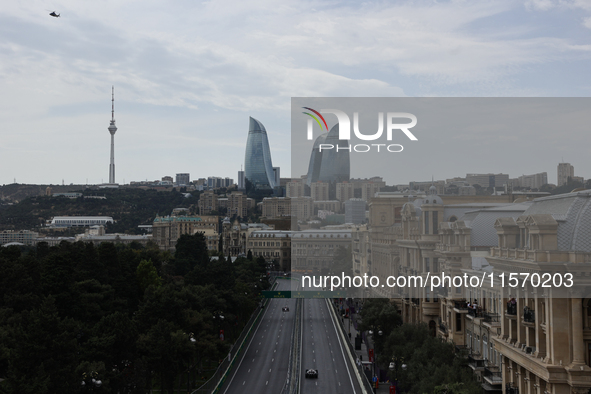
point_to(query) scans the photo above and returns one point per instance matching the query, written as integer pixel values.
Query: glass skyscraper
(329, 165)
(258, 167)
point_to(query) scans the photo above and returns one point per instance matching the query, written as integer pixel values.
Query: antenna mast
(113, 103)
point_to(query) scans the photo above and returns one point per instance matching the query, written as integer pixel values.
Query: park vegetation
(136, 318)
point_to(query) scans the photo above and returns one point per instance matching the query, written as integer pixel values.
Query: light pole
(375, 359)
(220, 319)
(93, 383)
(394, 368)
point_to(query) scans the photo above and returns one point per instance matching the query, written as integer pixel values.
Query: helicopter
(54, 14)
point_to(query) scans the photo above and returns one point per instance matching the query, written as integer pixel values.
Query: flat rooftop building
(80, 221)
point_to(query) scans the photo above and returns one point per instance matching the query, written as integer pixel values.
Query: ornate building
(314, 250)
(523, 339)
(167, 230)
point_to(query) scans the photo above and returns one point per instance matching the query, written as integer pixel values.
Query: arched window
(433, 328)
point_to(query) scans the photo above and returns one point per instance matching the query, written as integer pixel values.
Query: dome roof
(432, 199)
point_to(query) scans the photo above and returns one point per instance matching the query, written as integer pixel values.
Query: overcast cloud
(188, 74)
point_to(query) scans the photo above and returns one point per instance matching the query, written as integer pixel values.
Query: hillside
(128, 207)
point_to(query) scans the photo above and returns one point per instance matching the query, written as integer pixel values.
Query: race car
(285, 309)
(311, 374)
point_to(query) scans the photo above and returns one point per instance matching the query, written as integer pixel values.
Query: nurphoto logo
(344, 130)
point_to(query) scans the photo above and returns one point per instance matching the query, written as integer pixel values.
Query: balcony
(491, 317)
(492, 375)
(478, 312)
(511, 308)
(461, 348)
(442, 328)
(475, 361)
(461, 306)
(529, 315)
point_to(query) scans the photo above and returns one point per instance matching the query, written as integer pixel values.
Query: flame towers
(258, 168)
(112, 130)
(329, 165)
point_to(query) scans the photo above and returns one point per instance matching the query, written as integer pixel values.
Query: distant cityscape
(478, 223)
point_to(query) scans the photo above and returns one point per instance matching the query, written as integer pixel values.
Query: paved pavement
(366, 344)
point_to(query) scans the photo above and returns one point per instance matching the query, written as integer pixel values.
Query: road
(322, 349)
(263, 367)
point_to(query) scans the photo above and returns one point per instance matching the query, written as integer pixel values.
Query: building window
(435, 222)
(426, 222)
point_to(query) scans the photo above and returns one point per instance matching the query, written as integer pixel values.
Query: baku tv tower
(112, 130)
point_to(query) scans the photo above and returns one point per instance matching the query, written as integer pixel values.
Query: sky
(188, 75)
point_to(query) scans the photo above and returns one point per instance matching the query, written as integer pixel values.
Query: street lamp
(394, 366)
(94, 382)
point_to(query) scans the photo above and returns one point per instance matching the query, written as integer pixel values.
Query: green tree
(379, 314)
(221, 243)
(453, 388)
(430, 362)
(44, 352)
(191, 251)
(147, 275)
(165, 347)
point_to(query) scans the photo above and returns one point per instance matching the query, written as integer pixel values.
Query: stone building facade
(167, 230)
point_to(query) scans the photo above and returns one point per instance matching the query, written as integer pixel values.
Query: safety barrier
(214, 384)
(366, 385)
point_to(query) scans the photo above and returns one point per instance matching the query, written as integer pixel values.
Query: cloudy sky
(188, 74)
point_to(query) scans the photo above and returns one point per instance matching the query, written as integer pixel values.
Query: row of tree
(130, 317)
(431, 365)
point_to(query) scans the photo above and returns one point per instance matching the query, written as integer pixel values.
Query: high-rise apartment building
(208, 201)
(215, 182)
(302, 208)
(319, 191)
(277, 175)
(345, 191)
(183, 179)
(295, 189)
(237, 204)
(368, 190)
(534, 181)
(565, 171)
(488, 180)
(276, 207)
(241, 182)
